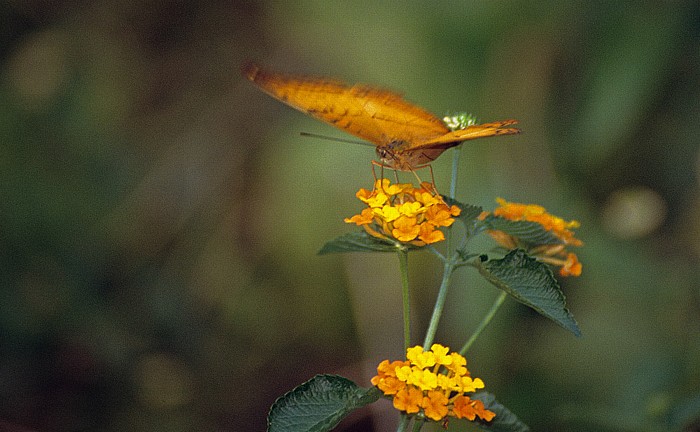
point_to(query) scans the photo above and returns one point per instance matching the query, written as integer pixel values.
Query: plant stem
(418, 425)
(453, 188)
(484, 322)
(455, 170)
(405, 295)
(403, 424)
(449, 265)
(439, 304)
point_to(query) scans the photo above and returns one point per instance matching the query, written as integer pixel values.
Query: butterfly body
(409, 159)
(406, 136)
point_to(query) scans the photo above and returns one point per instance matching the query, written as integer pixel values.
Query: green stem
(455, 170)
(449, 265)
(418, 425)
(439, 304)
(453, 188)
(403, 424)
(484, 322)
(405, 295)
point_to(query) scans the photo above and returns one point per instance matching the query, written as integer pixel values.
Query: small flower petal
(429, 234)
(439, 215)
(435, 405)
(405, 229)
(364, 218)
(572, 267)
(408, 400)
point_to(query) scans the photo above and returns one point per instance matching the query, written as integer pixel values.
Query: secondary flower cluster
(555, 254)
(418, 384)
(403, 212)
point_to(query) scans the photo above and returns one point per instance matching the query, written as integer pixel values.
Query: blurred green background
(160, 217)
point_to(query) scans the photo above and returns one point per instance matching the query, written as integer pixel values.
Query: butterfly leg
(432, 188)
(374, 174)
(432, 181)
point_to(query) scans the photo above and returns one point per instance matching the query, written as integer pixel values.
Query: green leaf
(526, 231)
(318, 405)
(469, 216)
(531, 283)
(469, 212)
(505, 420)
(360, 242)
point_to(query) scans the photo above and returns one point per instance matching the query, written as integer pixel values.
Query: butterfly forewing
(407, 135)
(376, 115)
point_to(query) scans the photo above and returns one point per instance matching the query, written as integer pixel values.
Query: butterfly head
(386, 156)
(390, 156)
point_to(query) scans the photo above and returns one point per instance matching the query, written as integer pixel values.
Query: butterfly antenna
(329, 138)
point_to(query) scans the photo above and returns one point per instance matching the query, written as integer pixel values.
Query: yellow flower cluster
(553, 254)
(402, 212)
(418, 384)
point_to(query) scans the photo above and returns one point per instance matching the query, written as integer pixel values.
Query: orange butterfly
(406, 136)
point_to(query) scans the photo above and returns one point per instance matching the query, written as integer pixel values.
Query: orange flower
(555, 254)
(435, 405)
(464, 407)
(538, 214)
(386, 379)
(405, 213)
(408, 400)
(572, 266)
(417, 385)
(405, 229)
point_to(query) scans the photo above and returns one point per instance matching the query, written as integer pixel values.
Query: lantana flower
(555, 254)
(435, 383)
(404, 213)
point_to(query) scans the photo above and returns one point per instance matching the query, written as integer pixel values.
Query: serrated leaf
(318, 405)
(531, 283)
(469, 216)
(528, 232)
(360, 241)
(469, 212)
(505, 420)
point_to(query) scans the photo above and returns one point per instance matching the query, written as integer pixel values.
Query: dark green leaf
(469, 212)
(531, 283)
(469, 217)
(505, 420)
(318, 405)
(360, 242)
(528, 232)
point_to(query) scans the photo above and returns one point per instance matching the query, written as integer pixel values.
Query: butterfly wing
(376, 115)
(420, 153)
(470, 132)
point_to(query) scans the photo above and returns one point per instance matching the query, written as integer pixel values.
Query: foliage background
(160, 218)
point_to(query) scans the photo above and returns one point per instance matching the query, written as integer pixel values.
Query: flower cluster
(555, 254)
(405, 213)
(417, 385)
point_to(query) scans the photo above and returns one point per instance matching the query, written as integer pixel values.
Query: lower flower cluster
(434, 383)
(404, 212)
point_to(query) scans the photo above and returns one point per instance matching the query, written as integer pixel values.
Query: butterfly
(405, 135)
